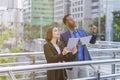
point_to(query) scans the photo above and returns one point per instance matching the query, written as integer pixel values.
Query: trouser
(78, 72)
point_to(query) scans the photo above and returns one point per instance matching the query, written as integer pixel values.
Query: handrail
(111, 49)
(20, 54)
(22, 63)
(38, 53)
(107, 42)
(102, 77)
(56, 65)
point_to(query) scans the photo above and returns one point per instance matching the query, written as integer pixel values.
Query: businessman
(73, 32)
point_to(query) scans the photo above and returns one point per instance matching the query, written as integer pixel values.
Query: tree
(116, 26)
(4, 37)
(102, 21)
(102, 25)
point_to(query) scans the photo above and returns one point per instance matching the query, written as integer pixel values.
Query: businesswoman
(54, 54)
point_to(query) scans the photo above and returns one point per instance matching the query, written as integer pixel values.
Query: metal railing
(52, 66)
(32, 55)
(39, 53)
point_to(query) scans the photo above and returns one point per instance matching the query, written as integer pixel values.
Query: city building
(99, 7)
(10, 12)
(37, 12)
(102, 7)
(9, 3)
(81, 11)
(85, 11)
(61, 8)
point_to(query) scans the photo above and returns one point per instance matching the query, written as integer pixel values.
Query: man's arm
(94, 31)
(93, 39)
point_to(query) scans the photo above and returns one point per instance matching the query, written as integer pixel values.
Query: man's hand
(79, 44)
(74, 50)
(94, 29)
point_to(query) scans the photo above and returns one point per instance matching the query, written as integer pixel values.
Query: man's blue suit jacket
(64, 37)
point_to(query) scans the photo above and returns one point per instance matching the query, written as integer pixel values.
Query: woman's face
(55, 32)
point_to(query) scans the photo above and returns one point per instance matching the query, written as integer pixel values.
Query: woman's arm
(50, 54)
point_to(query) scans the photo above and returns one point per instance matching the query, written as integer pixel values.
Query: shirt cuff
(94, 35)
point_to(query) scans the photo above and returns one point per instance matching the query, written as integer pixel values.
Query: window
(81, 8)
(81, 1)
(78, 15)
(81, 14)
(36, 17)
(95, 7)
(94, 0)
(75, 3)
(75, 9)
(78, 2)
(75, 15)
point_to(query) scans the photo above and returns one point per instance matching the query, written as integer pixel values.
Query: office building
(61, 8)
(102, 7)
(38, 12)
(81, 11)
(10, 12)
(9, 3)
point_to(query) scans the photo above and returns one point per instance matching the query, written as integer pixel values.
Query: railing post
(33, 62)
(98, 75)
(113, 65)
(96, 71)
(11, 75)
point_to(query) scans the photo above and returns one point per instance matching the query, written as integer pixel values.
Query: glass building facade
(38, 11)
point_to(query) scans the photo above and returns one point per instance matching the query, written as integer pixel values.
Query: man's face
(70, 22)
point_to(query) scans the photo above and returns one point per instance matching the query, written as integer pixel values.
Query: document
(72, 42)
(85, 40)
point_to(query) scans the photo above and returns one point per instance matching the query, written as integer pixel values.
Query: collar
(72, 31)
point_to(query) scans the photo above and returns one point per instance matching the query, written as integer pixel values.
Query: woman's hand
(65, 50)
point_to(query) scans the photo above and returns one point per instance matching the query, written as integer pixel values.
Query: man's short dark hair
(64, 18)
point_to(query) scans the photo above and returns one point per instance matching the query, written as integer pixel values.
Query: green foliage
(31, 32)
(102, 21)
(7, 60)
(8, 78)
(2, 23)
(18, 75)
(5, 35)
(15, 49)
(79, 24)
(4, 78)
(116, 26)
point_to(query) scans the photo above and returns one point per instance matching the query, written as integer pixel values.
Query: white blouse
(57, 48)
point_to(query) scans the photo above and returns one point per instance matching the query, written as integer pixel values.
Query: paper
(72, 42)
(85, 40)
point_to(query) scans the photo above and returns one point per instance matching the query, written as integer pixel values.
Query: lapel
(81, 32)
(67, 36)
(53, 48)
